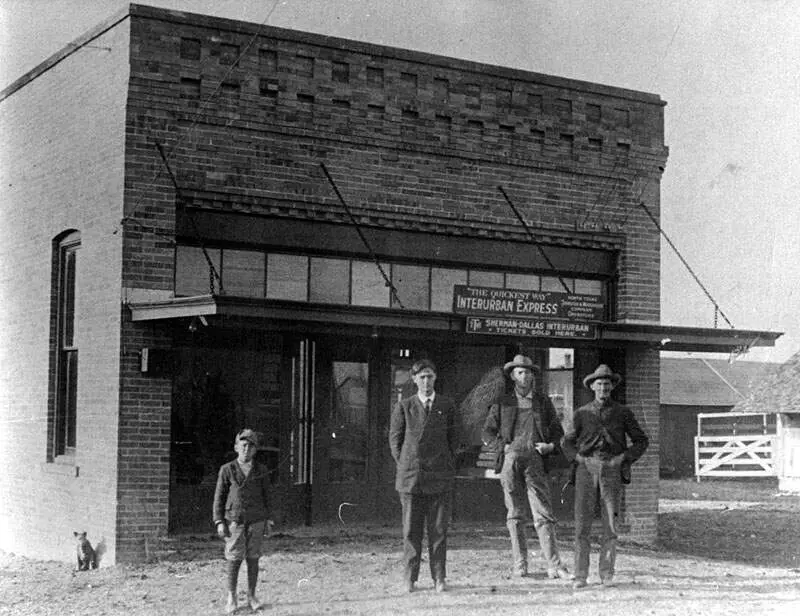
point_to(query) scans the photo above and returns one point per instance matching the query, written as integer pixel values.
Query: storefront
(311, 347)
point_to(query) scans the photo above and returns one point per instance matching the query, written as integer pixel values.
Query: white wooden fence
(735, 445)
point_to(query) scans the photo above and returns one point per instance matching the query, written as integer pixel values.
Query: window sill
(63, 466)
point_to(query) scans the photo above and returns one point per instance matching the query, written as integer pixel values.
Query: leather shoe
(559, 573)
(608, 581)
(408, 586)
(579, 584)
(441, 586)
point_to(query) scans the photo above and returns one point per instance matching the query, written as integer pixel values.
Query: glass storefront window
(442, 282)
(192, 271)
(560, 382)
(588, 287)
(524, 282)
(287, 277)
(552, 283)
(244, 273)
(349, 423)
(412, 284)
(479, 278)
(369, 285)
(330, 281)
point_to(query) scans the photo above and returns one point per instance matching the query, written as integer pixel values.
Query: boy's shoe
(608, 581)
(577, 584)
(440, 585)
(230, 605)
(254, 603)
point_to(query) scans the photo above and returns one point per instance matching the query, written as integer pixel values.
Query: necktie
(428, 405)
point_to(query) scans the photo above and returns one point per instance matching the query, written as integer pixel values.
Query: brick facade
(245, 115)
(62, 168)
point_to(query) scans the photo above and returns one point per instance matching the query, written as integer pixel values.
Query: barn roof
(776, 393)
(695, 381)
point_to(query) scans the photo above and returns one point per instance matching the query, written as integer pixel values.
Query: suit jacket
(498, 430)
(424, 444)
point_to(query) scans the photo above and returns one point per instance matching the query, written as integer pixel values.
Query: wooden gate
(735, 445)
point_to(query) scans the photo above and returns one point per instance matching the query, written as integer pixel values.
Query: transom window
(348, 281)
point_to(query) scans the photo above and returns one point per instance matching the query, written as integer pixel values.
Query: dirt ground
(718, 553)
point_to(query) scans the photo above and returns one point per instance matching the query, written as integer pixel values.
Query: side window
(64, 346)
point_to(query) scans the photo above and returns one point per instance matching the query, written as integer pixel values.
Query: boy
(241, 514)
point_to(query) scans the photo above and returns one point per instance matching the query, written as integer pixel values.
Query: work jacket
(498, 430)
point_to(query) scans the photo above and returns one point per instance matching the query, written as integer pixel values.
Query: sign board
(527, 305)
(540, 328)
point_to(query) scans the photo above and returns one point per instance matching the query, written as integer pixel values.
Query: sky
(729, 71)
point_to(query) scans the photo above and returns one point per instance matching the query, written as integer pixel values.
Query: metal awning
(696, 339)
(661, 337)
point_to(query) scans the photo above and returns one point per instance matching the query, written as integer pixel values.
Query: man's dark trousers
(417, 509)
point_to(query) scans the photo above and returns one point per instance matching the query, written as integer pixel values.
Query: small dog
(87, 559)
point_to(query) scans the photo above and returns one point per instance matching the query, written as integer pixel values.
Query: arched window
(64, 344)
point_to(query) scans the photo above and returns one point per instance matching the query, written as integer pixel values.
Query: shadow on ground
(763, 535)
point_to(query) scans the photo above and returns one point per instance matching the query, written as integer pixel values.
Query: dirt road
(336, 571)
(724, 548)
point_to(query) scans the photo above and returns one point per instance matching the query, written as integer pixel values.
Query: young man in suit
(422, 438)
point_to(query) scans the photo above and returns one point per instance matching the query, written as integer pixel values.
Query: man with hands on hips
(598, 443)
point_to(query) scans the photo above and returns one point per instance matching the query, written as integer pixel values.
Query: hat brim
(511, 365)
(614, 378)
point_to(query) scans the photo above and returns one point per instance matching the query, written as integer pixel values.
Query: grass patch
(759, 490)
(764, 534)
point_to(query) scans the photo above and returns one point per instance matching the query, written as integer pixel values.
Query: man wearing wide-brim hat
(598, 443)
(526, 432)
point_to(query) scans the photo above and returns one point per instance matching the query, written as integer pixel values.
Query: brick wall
(61, 165)
(642, 375)
(414, 142)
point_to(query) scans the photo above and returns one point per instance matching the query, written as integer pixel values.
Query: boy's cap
(248, 435)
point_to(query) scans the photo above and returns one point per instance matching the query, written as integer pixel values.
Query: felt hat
(520, 361)
(602, 372)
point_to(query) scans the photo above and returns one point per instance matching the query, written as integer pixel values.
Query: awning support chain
(357, 227)
(688, 267)
(533, 239)
(212, 271)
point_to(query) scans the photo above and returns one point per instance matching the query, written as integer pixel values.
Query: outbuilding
(779, 394)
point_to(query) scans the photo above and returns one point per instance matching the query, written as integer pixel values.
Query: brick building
(168, 222)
